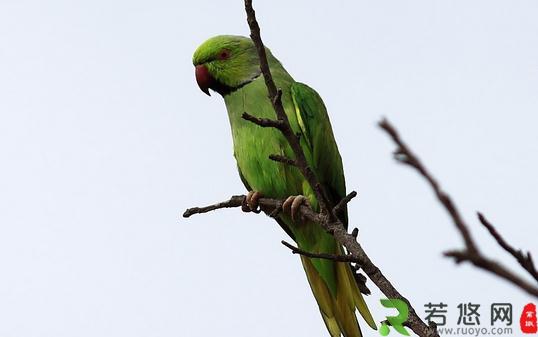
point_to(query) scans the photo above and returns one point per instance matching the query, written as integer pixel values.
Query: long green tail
(338, 310)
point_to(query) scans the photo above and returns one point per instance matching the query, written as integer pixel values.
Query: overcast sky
(105, 139)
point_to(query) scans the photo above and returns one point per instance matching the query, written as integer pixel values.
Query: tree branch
(327, 217)
(405, 156)
(275, 95)
(470, 253)
(356, 254)
(332, 257)
(283, 159)
(341, 206)
(524, 260)
(264, 122)
(234, 201)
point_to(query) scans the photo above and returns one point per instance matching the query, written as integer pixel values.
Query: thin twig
(405, 156)
(332, 257)
(263, 122)
(493, 267)
(283, 159)
(234, 201)
(524, 260)
(341, 206)
(267, 204)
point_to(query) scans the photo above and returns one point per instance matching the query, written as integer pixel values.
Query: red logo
(527, 321)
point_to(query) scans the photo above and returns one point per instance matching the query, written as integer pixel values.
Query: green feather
(332, 283)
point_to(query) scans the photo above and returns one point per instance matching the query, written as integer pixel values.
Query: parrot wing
(315, 128)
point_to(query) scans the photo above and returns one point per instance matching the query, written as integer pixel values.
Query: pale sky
(105, 139)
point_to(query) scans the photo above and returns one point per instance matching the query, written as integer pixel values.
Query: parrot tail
(338, 310)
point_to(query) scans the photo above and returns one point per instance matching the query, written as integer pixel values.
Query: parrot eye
(224, 54)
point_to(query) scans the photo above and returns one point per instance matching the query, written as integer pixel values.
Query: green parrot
(230, 66)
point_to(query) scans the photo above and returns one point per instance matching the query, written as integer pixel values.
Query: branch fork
(470, 253)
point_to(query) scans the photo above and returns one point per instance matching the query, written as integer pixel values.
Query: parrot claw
(293, 203)
(251, 202)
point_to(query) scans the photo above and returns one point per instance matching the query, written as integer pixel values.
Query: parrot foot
(293, 203)
(251, 202)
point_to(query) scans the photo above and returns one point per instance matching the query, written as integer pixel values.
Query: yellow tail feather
(339, 313)
(332, 325)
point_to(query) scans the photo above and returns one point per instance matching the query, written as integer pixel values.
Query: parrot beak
(203, 78)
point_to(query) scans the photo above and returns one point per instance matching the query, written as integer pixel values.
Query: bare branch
(471, 253)
(268, 205)
(263, 122)
(355, 250)
(341, 206)
(275, 95)
(283, 159)
(493, 267)
(234, 201)
(333, 257)
(524, 260)
(405, 156)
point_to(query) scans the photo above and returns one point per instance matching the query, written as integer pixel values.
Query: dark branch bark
(283, 159)
(234, 201)
(405, 156)
(333, 257)
(524, 260)
(341, 206)
(263, 122)
(471, 253)
(355, 251)
(275, 95)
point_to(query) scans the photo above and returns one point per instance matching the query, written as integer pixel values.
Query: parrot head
(225, 62)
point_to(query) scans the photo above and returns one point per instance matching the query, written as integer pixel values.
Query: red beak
(204, 78)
